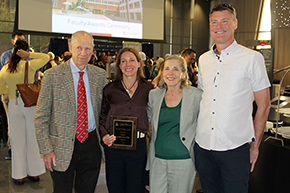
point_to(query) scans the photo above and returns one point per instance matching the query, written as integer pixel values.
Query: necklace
(128, 90)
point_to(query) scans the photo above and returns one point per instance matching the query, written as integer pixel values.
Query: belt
(92, 133)
(140, 135)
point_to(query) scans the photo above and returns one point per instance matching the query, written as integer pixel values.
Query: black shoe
(18, 182)
(33, 178)
(8, 156)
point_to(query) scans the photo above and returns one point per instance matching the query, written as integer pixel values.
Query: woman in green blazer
(173, 111)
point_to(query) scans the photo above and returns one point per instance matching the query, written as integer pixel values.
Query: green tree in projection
(77, 4)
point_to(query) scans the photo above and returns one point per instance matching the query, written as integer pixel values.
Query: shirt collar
(75, 69)
(230, 49)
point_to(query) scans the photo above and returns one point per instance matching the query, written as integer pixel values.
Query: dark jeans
(223, 171)
(84, 166)
(125, 169)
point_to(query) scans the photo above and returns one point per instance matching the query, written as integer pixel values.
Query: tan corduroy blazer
(55, 117)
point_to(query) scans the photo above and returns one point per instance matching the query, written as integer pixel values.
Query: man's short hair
(186, 51)
(18, 33)
(223, 7)
(82, 34)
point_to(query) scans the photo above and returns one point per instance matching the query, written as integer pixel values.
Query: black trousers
(125, 169)
(223, 171)
(84, 168)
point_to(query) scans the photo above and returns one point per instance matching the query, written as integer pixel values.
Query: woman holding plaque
(172, 110)
(127, 96)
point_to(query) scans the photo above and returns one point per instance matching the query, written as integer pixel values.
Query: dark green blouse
(168, 144)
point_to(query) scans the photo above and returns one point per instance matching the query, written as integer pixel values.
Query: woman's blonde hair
(159, 81)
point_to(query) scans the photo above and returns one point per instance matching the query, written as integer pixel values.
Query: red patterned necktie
(82, 111)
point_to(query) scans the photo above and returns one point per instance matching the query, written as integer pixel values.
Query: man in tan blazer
(56, 119)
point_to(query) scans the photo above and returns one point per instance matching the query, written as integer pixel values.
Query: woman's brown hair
(14, 60)
(118, 71)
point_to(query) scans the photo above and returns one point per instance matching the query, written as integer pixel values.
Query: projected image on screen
(112, 18)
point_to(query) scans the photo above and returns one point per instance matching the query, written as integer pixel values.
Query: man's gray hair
(81, 34)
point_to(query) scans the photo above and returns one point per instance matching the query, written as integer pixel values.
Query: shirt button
(212, 128)
(215, 85)
(220, 60)
(183, 138)
(218, 73)
(213, 99)
(212, 112)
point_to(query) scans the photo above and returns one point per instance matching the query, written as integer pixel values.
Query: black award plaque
(125, 130)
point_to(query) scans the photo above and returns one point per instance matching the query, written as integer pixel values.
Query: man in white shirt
(231, 77)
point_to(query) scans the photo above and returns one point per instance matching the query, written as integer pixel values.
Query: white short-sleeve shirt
(228, 82)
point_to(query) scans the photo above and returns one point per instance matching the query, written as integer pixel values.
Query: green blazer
(55, 117)
(191, 97)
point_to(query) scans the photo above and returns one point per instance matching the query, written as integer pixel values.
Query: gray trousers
(172, 176)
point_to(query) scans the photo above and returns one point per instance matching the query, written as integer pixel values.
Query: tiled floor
(43, 186)
(45, 183)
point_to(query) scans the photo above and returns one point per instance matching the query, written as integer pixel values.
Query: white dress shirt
(228, 82)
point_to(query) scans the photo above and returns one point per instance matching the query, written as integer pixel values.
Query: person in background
(95, 56)
(57, 60)
(92, 60)
(113, 66)
(66, 56)
(172, 110)
(155, 68)
(108, 65)
(126, 96)
(149, 64)
(116, 54)
(146, 71)
(109, 58)
(231, 77)
(190, 55)
(26, 160)
(51, 63)
(67, 116)
(101, 64)
(4, 59)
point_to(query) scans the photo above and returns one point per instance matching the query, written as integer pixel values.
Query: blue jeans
(223, 171)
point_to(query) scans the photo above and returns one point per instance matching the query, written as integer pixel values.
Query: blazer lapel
(157, 107)
(185, 106)
(92, 80)
(68, 83)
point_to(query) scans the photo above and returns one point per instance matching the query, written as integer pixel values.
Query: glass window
(265, 24)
